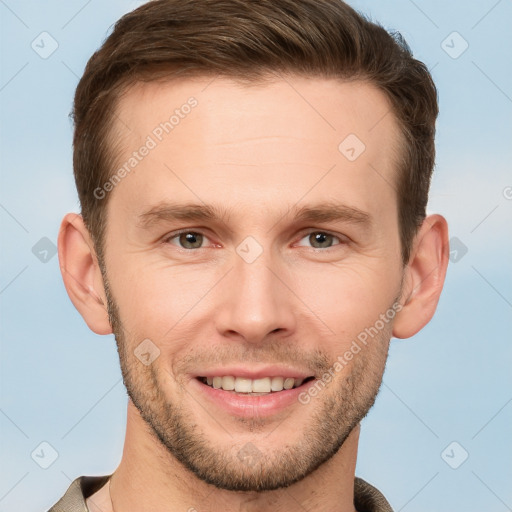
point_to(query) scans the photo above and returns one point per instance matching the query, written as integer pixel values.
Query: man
(253, 178)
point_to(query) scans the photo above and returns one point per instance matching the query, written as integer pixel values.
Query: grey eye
(187, 240)
(320, 239)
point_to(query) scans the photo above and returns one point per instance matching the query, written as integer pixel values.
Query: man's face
(259, 291)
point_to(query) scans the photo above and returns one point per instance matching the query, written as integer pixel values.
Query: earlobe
(424, 277)
(81, 273)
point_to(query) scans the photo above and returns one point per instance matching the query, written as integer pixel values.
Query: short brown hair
(248, 39)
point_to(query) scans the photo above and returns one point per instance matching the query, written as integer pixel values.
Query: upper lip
(254, 372)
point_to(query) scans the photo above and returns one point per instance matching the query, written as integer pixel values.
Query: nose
(256, 300)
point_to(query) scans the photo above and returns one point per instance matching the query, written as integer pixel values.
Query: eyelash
(176, 234)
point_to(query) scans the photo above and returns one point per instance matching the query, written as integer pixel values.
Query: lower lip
(247, 406)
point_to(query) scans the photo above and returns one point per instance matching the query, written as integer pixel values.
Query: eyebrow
(323, 212)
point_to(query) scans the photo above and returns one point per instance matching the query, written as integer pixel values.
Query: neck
(149, 478)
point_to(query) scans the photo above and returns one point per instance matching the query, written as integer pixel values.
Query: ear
(424, 277)
(81, 273)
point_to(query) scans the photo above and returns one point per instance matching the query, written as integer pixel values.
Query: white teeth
(261, 385)
(288, 383)
(244, 385)
(228, 383)
(277, 383)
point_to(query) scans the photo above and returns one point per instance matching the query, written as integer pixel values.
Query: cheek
(156, 298)
(345, 300)
(332, 303)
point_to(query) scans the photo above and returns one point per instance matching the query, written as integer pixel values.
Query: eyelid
(343, 239)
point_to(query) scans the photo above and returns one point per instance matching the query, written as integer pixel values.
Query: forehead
(283, 136)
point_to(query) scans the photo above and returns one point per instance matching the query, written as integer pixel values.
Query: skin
(257, 151)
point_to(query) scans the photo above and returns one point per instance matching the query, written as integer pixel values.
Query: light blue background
(61, 384)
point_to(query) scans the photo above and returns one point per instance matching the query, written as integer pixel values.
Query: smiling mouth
(253, 387)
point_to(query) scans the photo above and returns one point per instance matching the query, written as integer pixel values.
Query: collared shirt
(366, 497)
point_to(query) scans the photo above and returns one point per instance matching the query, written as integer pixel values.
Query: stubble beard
(339, 408)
